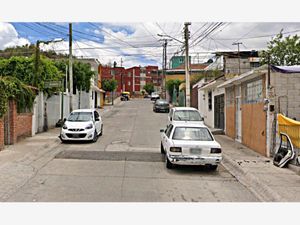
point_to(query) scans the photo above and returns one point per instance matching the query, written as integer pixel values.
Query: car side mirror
(171, 119)
(161, 130)
(65, 119)
(97, 119)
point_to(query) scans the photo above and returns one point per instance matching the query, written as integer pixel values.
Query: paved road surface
(125, 165)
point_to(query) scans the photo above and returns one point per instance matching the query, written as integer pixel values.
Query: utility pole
(70, 68)
(238, 44)
(37, 62)
(187, 64)
(164, 65)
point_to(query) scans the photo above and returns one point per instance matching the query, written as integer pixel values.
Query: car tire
(169, 165)
(95, 136)
(162, 151)
(213, 167)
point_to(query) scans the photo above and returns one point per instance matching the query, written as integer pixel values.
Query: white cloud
(9, 36)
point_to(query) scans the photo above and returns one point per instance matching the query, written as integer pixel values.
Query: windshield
(192, 134)
(80, 116)
(189, 115)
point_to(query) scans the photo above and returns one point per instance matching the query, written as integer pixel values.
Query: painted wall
(230, 121)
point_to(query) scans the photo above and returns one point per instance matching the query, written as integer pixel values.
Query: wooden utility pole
(238, 44)
(70, 68)
(187, 64)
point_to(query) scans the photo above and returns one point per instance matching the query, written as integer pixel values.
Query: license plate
(195, 150)
(75, 135)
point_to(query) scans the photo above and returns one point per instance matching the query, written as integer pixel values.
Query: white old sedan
(82, 125)
(190, 144)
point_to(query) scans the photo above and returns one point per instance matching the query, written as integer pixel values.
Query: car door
(98, 122)
(166, 136)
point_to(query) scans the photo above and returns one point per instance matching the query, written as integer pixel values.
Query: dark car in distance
(161, 105)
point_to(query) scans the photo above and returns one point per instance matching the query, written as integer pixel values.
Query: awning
(286, 69)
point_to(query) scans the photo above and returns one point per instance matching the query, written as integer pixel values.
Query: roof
(214, 83)
(244, 77)
(189, 124)
(286, 69)
(193, 66)
(83, 110)
(184, 108)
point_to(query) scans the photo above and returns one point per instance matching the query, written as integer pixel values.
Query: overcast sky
(138, 43)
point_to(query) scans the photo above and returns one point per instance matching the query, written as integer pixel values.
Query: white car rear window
(192, 134)
(187, 115)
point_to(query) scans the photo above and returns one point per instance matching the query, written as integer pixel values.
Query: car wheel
(162, 151)
(213, 167)
(95, 136)
(169, 165)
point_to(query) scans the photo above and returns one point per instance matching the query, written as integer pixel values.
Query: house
(211, 102)
(252, 101)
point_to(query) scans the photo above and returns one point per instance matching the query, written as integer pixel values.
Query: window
(253, 91)
(129, 83)
(169, 130)
(187, 115)
(80, 116)
(209, 100)
(129, 74)
(192, 134)
(96, 115)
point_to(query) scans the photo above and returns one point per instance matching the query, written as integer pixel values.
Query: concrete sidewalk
(268, 182)
(21, 162)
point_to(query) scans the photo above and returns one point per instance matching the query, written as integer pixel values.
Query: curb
(260, 190)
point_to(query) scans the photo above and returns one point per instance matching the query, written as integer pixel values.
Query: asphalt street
(125, 165)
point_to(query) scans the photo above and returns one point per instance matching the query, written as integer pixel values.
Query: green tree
(12, 88)
(109, 86)
(149, 88)
(82, 74)
(282, 51)
(23, 68)
(171, 84)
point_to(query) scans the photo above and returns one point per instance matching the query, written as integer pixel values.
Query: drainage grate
(112, 156)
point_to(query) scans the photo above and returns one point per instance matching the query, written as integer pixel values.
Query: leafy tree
(82, 74)
(109, 85)
(170, 84)
(23, 68)
(12, 88)
(149, 88)
(283, 51)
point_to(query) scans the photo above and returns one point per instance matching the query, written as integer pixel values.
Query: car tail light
(215, 150)
(175, 149)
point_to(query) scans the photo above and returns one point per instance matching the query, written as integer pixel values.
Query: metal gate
(219, 111)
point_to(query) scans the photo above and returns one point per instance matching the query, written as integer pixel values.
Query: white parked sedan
(184, 114)
(190, 144)
(82, 124)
